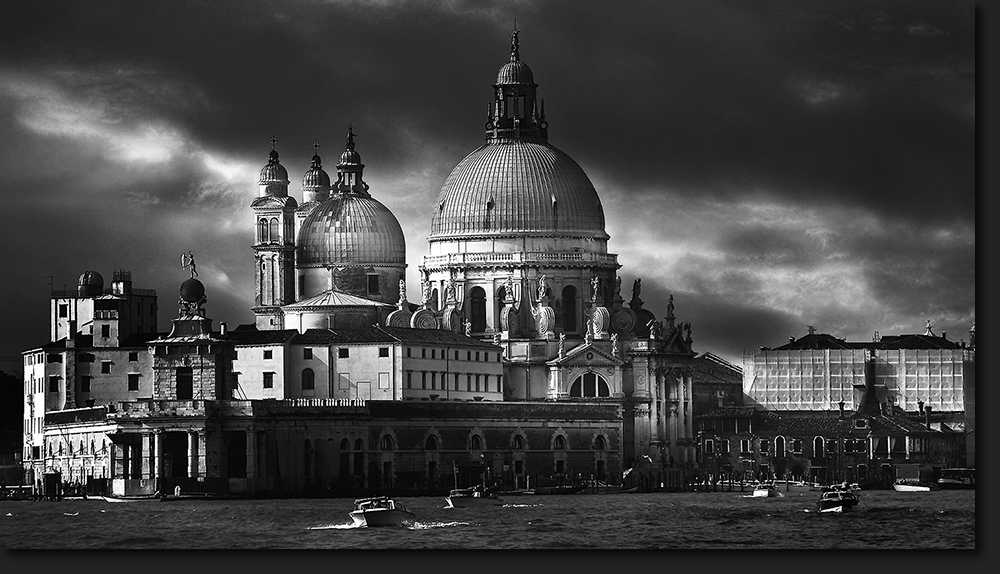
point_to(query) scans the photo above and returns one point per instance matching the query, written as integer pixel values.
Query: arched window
(589, 385)
(477, 442)
(818, 444)
(308, 380)
(600, 443)
(569, 309)
(274, 230)
(779, 447)
(478, 311)
(263, 231)
(386, 443)
(431, 443)
(559, 443)
(518, 442)
(434, 300)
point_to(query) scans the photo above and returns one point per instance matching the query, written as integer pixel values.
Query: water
(714, 520)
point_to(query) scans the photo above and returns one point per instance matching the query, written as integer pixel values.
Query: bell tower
(274, 244)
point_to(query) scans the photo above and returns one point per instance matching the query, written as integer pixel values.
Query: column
(251, 454)
(192, 470)
(158, 458)
(147, 453)
(202, 455)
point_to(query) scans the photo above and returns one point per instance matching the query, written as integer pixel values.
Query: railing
(520, 257)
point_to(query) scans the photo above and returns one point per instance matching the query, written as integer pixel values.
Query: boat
(560, 489)
(957, 479)
(381, 511)
(837, 500)
(137, 498)
(472, 498)
(912, 485)
(765, 490)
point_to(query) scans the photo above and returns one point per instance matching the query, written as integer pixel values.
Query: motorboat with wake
(474, 497)
(765, 490)
(381, 511)
(837, 499)
(912, 485)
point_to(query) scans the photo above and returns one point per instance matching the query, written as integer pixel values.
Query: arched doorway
(568, 307)
(477, 312)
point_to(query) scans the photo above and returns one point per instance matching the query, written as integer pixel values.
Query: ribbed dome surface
(273, 172)
(316, 178)
(514, 187)
(351, 229)
(515, 72)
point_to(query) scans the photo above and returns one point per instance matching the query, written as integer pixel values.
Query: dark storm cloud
(772, 165)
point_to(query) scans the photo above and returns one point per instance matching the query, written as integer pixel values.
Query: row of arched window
(782, 446)
(70, 451)
(476, 442)
(267, 230)
(566, 307)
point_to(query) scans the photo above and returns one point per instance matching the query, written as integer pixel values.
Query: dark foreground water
(715, 520)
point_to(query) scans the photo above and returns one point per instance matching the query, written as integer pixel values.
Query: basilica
(522, 363)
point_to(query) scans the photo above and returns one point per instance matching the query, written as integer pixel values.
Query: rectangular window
(106, 367)
(797, 446)
(456, 381)
(486, 383)
(423, 380)
(133, 356)
(343, 353)
(477, 356)
(63, 310)
(383, 380)
(105, 331)
(423, 353)
(236, 354)
(133, 381)
(468, 383)
(85, 383)
(468, 355)
(744, 446)
(307, 353)
(456, 355)
(486, 357)
(268, 380)
(409, 379)
(765, 446)
(434, 353)
(724, 446)
(383, 351)
(408, 349)
(267, 354)
(373, 288)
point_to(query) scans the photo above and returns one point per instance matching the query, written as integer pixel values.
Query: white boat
(472, 498)
(765, 490)
(381, 511)
(837, 500)
(912, 485)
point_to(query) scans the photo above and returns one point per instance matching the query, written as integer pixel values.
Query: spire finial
(316, 147)
(514, 54)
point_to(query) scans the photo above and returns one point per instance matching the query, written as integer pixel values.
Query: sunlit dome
(351, 229)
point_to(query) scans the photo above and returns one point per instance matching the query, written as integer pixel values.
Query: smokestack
(841, 417)
(927, 416)
(811, 329)
(920, 405)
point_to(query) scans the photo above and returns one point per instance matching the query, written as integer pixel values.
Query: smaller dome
(316, 178)
(515, 72)
(273, 172)
(349, 157)
(192, 290)
(91, 284)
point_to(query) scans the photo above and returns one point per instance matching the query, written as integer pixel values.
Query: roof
(242, 336)
(727, 412)
(334, 298)
(886, 342)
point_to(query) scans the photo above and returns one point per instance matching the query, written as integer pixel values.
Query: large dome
(351, 229)
(517, 186)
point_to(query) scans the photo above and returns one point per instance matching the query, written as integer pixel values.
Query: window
(307, 353)
(409, 354)
(477, 442)
(860, 423)
(765, 446)
(87, 357)
(383, 351)
(559, 443)
(383, 380)
(431, 443)
(589, 385)
(468, 355)
(423, 379)
(63, 310)
(744, 446)
(797, 446)
(477, 356)
(456, 381)
(409, 379)
(724, 446)
(423, 353)
(709, 446)
(433, 353)
(343, 353)
(133, 381)
(106, 367)
(267, 353)
(486, 357)
(519, 442)
(386, 442)
(268, 380)
(85, 384)
(456, 355)
(373, 287)
(105, 331)
(308, 380)
(433, 381)
(133, 356)
(600, 443)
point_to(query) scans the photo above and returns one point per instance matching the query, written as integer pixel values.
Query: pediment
(587, 354)
(271, 202)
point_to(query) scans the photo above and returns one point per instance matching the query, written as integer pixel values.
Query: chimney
(841, 417)
(791, 340)
(920, 405)
(811, 330)
(927, 416)
(223, 327)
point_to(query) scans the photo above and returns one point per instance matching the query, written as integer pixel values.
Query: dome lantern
(350, 169)
(515, 113)
(315, 182)
(273, 179)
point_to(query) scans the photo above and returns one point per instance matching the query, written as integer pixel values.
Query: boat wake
(429, 525)
(347, 526)
(520, 505)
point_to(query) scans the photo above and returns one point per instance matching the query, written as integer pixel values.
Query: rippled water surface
(714, 520)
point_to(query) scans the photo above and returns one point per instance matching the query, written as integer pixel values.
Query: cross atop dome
(514, 54)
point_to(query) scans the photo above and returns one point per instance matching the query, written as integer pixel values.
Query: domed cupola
(91, 284)
(316, 182)
(273, 176)
(515, 113)
(515, 71)
(351, 233)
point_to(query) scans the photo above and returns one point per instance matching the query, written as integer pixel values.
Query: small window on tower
(105, 331)
(63, 311)
(373, 284)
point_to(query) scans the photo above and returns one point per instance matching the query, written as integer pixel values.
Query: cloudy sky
(773, 165)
